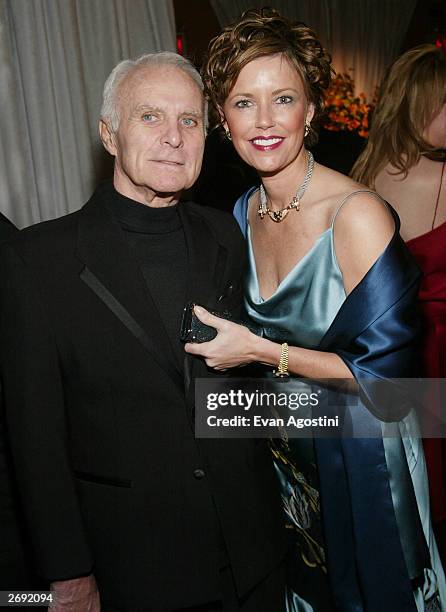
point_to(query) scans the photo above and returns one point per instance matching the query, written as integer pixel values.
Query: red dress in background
(430, 252)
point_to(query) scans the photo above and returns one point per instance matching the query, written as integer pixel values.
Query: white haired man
(126, 509)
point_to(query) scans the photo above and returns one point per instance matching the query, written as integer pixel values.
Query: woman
(405, 161)
(319, 246)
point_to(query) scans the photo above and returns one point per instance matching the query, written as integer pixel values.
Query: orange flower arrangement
(344, 110)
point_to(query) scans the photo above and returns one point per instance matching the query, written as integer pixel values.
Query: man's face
(159, 144)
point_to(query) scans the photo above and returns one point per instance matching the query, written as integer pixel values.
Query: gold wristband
(282, 368)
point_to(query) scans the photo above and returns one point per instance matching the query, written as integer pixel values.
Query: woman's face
(266, 111)
(435, 132)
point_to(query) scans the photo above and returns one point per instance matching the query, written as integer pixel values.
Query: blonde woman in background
(404, 160)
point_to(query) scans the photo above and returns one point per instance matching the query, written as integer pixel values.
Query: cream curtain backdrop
(363, 36)
(54, 58)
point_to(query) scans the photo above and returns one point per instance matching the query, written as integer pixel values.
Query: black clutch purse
(194, 330)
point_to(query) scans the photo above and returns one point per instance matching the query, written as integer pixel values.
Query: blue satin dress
(300, 312)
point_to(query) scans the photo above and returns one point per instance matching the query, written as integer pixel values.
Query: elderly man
(126, 509)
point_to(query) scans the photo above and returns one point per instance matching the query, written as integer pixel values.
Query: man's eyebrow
(193, 113)
(142, 108)
(147, 107)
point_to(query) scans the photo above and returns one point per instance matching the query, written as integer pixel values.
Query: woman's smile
(266, 143)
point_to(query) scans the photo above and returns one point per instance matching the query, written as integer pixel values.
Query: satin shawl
(373, 333)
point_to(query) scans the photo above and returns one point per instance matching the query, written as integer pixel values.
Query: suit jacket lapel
(207, 258)
(102, 249)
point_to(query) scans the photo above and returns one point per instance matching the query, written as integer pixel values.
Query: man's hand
(77, 595)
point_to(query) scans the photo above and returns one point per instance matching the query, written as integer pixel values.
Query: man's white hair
(110, 110)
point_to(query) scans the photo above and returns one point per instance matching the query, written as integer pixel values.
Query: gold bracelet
(282, 368)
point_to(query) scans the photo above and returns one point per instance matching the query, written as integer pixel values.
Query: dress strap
(347, 197)
(438, 195)
(241, 210)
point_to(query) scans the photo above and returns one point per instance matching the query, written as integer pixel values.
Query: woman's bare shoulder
(363, 210)
(363, 228)
(355, 200)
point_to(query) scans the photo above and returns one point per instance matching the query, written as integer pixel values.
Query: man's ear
(107, 137)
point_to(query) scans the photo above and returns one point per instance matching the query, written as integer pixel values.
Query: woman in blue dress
(332, 287)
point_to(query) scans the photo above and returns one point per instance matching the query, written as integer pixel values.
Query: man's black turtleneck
(156, 237)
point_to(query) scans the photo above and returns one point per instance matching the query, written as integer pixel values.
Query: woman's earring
(307, 129)
(228, 135)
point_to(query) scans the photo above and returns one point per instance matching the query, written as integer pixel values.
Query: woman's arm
(363, 229)
(236, 346)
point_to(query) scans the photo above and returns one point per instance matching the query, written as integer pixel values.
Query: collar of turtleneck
(133, 216)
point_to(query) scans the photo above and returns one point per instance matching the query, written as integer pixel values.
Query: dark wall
(197, 22)
(429, 18)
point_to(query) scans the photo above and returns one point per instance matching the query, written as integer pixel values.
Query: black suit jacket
(13, 565)
(7, 229)
(101, 426)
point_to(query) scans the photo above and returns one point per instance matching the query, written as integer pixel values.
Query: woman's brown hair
(411, 94)
(258, 33)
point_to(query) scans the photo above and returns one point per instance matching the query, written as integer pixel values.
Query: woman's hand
(234, 345)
